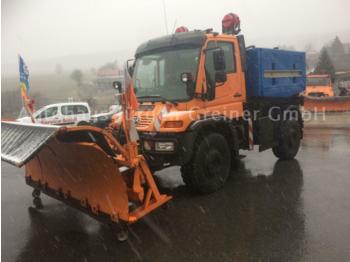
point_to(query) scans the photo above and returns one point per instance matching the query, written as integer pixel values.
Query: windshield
(157, 75)
(317, 81)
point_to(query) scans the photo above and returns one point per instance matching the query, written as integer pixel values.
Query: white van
(72, 113)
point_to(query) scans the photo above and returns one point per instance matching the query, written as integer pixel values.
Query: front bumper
(183, 148)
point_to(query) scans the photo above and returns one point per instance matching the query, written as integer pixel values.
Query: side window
(67, 110)
(161, 68)
(229, 57)
(52, 111)
(79, 109)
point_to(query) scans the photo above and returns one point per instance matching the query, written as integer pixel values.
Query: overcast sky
(42, 29)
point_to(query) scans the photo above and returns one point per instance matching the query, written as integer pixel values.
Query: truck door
(231, 91)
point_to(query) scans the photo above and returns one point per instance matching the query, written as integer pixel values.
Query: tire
(288, 140)
(83, 123)
(210, 165)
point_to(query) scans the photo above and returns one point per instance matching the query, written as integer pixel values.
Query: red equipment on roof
(231, 24)
(181, 29)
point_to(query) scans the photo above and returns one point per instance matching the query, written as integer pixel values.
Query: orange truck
(319, 95)
(202, 97)
(319, 86)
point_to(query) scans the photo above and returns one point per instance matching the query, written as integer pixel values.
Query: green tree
(337, 47)
(77, 76)
(325, 65)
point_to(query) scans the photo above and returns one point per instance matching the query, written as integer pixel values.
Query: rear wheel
(210, 165)
(288, 140)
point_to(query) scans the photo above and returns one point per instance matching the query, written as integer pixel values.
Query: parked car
(71, 113)
(102, 120)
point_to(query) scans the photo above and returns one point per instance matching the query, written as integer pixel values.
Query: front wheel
(288, 141)
(210, 166)
(83, 123)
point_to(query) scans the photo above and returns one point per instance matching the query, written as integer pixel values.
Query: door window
(50, 112)
(79, 109)
(67, 110)
(74, 110)
(228, 49)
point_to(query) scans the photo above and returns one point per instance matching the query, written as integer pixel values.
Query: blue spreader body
(275, 73)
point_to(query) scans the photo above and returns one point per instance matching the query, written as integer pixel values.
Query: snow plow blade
(20, 141)
(84, 167)
(327, 104)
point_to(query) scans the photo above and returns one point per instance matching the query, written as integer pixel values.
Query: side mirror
(118, 86)
(219, 66)
(187, 78)
(219, 60)
(130, 65)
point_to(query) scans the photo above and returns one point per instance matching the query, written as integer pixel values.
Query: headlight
(164, 146)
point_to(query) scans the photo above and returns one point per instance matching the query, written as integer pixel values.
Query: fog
(89, 33)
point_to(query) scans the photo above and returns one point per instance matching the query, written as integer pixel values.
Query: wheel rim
(214, 162)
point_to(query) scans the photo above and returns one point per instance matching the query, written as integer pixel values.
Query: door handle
(237, 94)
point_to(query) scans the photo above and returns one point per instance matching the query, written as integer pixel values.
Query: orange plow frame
(327, 104)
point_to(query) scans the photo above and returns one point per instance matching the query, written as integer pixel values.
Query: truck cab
(193, 109)
(177, 83)
(319, 86)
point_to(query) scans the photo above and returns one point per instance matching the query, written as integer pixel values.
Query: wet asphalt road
(268, 211)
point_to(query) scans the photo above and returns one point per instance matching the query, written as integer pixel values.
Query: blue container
(275, 73)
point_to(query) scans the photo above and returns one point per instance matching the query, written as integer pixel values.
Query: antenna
(165, 17)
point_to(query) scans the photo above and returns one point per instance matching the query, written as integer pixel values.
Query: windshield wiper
(153, 96)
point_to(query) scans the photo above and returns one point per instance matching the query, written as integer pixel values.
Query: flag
(24, 86)
(23, 77)
(131, 105)
(129, 90)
